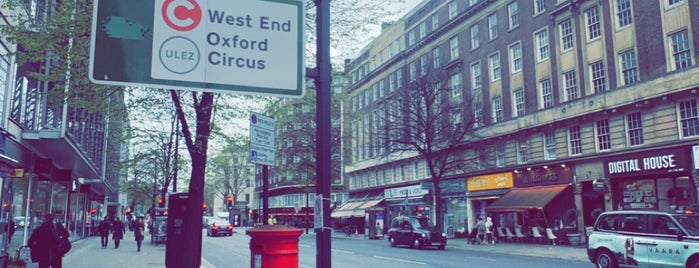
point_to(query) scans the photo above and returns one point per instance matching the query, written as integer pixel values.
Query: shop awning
(370, 203)
(349, 209)
(526, 198)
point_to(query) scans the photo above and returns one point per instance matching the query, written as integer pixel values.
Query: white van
(644, 239)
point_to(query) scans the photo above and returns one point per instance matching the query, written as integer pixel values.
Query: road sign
(247, 46)
(262, 139)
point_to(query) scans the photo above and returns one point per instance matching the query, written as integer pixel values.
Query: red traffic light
(93, 211)
(230, 198)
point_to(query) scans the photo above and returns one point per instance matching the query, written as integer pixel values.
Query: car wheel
(392, 242)
(693, 262)
(605, 259)
(416, 243)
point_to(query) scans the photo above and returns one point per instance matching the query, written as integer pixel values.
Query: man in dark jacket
(104, 228)
(41, 242)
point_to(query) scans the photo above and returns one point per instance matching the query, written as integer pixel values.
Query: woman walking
(138, 229)
(117, 232)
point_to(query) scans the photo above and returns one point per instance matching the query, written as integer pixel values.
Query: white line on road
(343, 251)
(399, 260)
(304, 246)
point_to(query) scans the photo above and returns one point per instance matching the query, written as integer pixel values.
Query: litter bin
(274, 246)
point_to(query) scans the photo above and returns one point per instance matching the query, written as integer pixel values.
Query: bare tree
(230, 169)
(431, 118)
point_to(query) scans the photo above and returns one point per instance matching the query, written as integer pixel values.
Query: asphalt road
(352, 253)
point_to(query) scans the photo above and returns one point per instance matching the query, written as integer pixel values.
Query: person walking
(490, 239)
(42, 245)
(138, 230)
(104, 228)
(480, 226)
(117, 232)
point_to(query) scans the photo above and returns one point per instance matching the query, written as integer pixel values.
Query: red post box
(274, 246)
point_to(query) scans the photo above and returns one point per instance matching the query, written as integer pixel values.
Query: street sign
(261, 139)
(246, 46)
(318, 212)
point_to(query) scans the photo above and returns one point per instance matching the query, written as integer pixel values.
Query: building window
(604, 140)
(476, 75)
(475, 41)
(435, 22)
(423, 65)
(550, 145)
(516, 57)
(629, 69)
(519, 102)
(539, 6)
(500, 155)
(593, 24)
(513, 11)
(455, 84)
(472, 2)
(599, 84)
(382, 89)
(574, 141)
(494, 60)
(435, 58)
(452, 9)
(477, 114)
(497, 110)
(522, 151)
(411, 38)
(399, 78)
(571, 85)
(546, 93)
(391, 82)
(623, 12)
(542, 44)
(423, 30)
(689, 118)
(493, 26)
(413, 71)
(634, 124)
(672, 2)
(566, 30)
(681, 53)
(454, 48)
(4, 73)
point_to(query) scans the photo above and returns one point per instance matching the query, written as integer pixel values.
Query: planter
(575, 239)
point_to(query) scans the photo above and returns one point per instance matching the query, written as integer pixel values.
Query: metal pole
(265, 202)
(323, 92)
(27, 219)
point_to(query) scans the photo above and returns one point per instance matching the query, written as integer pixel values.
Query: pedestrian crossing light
(230, 201)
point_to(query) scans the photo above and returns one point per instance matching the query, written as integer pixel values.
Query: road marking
(399, 260)
(304, 246)
(304, 266)
(343, 251)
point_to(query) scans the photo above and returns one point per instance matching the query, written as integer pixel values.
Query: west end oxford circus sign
(248, 46)
(646, 163)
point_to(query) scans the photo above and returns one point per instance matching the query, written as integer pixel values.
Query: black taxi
(416, 232)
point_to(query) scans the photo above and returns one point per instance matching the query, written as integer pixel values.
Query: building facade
(54, 158)
(588, 105)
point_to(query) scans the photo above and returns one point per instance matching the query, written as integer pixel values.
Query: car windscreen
(690, 223)
(423, 223)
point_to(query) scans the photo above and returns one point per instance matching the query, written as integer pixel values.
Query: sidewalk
(87, 253)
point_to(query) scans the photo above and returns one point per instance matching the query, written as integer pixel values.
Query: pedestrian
(138, 230)
(41, 243)
(117, 232)
(104, 228)
(10, 230)
(379, 230)
(489, 231)
(480, 226)
(272, 220)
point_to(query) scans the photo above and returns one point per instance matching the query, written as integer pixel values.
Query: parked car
(220, 227)
(415, 232)
(644, 239)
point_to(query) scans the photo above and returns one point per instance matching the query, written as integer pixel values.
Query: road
(352, 253)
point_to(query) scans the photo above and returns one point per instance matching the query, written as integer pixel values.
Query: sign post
(218, 46)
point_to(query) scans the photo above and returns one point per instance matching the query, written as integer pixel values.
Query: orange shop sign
(490, 182)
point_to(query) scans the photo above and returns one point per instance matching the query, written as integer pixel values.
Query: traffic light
(93, 211)
(230, 201)
(161, 202)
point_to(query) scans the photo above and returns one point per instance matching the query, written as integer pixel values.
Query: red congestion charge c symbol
(181, 15)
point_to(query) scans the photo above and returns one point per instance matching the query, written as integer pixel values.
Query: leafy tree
(431, 118)
(231, 172)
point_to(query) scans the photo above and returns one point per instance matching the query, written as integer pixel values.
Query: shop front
(542, 197)
(454, 205)
(411, 200)
(651, 180)
(482, 191)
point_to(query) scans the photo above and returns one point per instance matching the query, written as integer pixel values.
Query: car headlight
(423, 235)
(444, 235)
